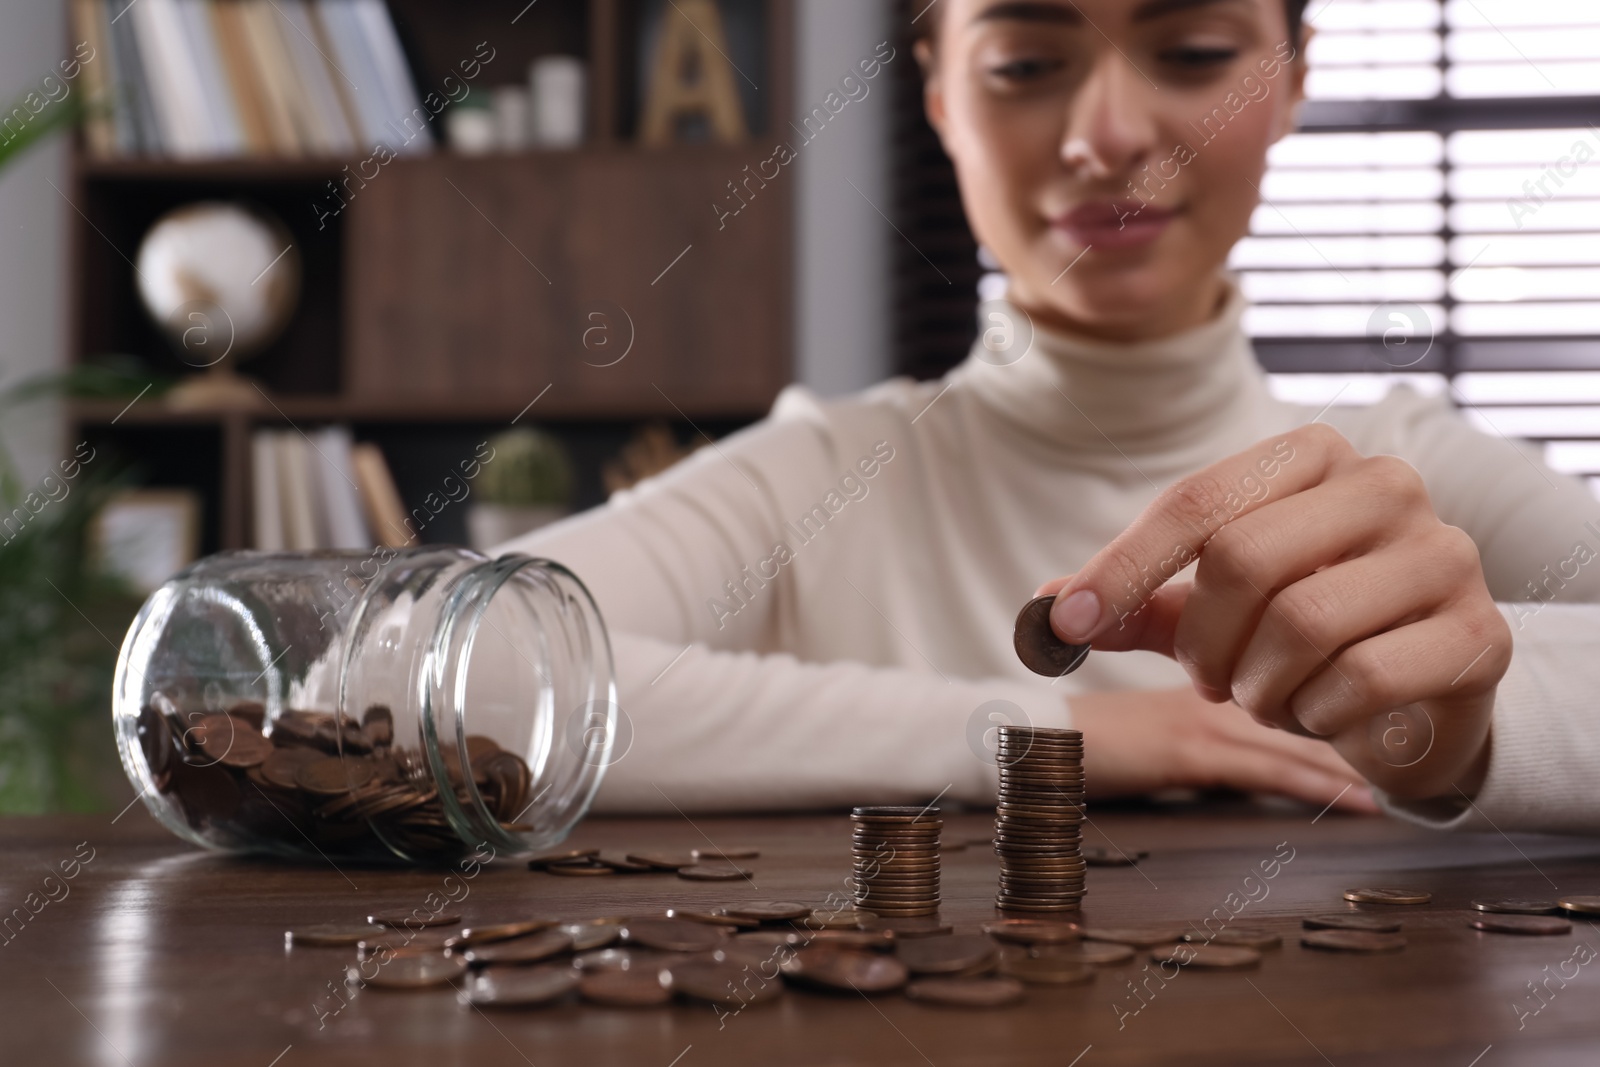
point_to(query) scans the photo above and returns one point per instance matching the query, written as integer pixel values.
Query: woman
(818, 610)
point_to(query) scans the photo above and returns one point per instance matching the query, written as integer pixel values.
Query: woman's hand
(1137, 742)
(1329, 599)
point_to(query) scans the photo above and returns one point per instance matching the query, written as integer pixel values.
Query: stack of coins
(1039, 819)
(896, 857)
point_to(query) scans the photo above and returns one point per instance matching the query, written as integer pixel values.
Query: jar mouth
(519, 653)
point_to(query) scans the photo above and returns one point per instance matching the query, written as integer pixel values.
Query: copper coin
(1517, 907)
(622, 865)
(841, 919)
(624, 988)
(1207, 957)
(1257, 937)
(876, 940)
(1137, 936)
(772, 937)
(417, 917)
(530, 948)
(1388, 895)
(672, 935)
(253, 712)
(1353, 940)
(966, 992)
(482, 934)
(588, 936)
(713, 872)
(714, 917)
(719, 982)
(539, 863)
(1046, 970)
(945, 955)
(908, 926)
(845, 969)
(408, 942)
(1086, 952)
(1376, 924)
(735, 853)
(378, 722)
(1104, 857)
(1033, 931)
(282, 767)
(768, 910)
(662, 860)
(331, 776)
(580, 870)
(324, 934)
(1583, 905)
(410, 972)
(520, 987)
(1037, 645)
(1535, 925)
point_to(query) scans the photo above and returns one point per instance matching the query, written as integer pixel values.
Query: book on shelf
(210, 79)
(313, 491)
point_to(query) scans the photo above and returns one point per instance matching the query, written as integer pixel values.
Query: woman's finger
(1256, 557)
(1307, 624)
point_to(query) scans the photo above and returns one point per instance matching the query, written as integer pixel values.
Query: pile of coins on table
(895, 853)
(344, 786)
(696, 865)
(1038, 823)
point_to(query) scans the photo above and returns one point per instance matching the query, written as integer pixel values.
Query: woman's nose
(1110, 127)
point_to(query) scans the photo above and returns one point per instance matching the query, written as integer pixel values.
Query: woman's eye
(1198, 57)
(1022, 70)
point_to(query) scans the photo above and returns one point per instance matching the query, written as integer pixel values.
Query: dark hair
(1293, 10)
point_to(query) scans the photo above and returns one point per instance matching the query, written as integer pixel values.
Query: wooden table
(158, 954)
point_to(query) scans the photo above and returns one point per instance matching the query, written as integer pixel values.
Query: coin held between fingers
(1037, 645)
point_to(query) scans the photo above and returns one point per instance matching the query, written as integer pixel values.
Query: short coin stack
(1039, 819)
(896, 859)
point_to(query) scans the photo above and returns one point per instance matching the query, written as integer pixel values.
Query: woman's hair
(1293, 10)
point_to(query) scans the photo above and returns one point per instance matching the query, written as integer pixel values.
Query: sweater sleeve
(1538, 533)
(715, 714)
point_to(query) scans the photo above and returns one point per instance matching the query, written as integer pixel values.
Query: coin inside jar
(1037, 645)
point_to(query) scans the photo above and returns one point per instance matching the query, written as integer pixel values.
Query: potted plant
(526, 483)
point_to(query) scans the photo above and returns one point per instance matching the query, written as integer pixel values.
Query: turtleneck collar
(1088, 395)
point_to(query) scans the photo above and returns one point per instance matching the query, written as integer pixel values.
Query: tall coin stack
(1038, 824)
(895, 852)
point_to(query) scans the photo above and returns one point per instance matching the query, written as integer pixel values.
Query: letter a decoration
(691, 77)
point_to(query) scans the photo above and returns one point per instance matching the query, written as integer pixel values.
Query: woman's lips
(1113, 224)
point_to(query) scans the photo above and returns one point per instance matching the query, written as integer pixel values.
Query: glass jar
(405, 705)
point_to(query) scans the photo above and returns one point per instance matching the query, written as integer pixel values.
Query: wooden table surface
(156, 953)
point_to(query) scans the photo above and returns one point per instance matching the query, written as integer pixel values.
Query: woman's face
(1110, 152)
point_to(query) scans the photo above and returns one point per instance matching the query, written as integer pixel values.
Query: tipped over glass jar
(403, 706)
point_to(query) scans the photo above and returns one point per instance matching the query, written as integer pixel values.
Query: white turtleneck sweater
(816, 610)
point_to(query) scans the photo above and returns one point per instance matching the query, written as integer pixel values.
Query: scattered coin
(946, 955)
(713, 872)
(720, 982)
(1581, 905)
(1033, 931)
(520, 987)
(908, 926)
(1207, 957)
(1100, 953)
(325, 934)
(1257, 937)
(768, 910)
(845, 969)
(531, 948)
(1388, 895)
(1112, 857)
(713, 917)
(1037, 645)
(1517, 907)
(1535, 925)
(1137, 936)
(417, 917)
(738, 853)
(624, 988)
(966, 992)
(623, 865)
(1047, 970)
(580, 870)
(1352, 920)
(482, 934)
(411, 972)
(672, 935)
(877, 940)
(662, 861)
(1353, 940)
(539, 863)
(588, 936)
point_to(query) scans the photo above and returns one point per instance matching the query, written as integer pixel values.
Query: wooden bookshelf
(452, 290)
